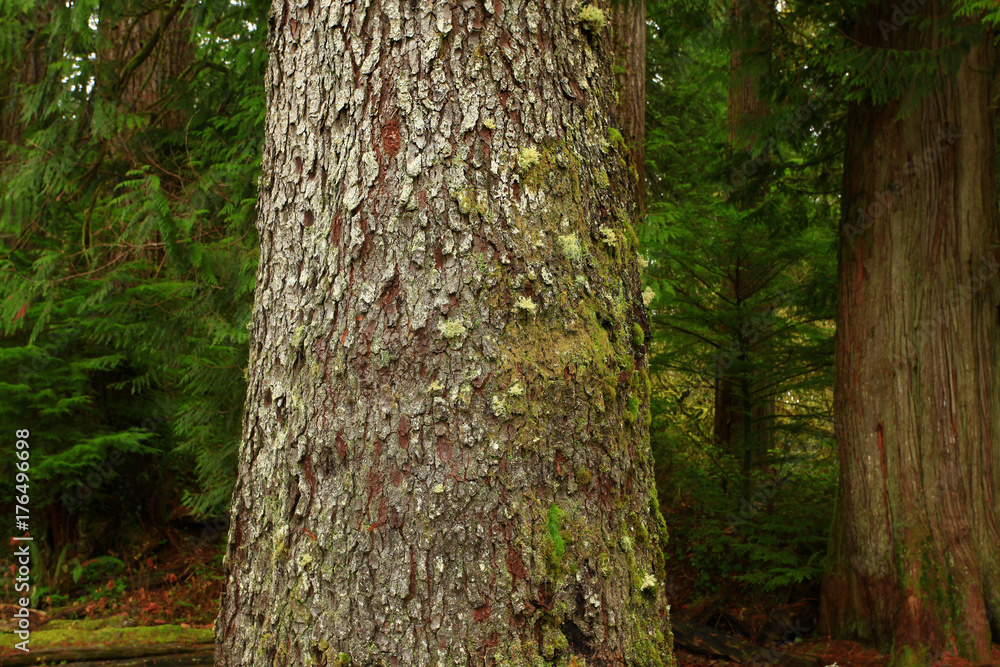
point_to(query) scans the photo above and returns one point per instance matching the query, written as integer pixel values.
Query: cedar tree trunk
(914, 559)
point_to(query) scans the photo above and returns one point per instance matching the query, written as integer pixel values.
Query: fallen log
(203, 659)
(119, 656)
(707, 640)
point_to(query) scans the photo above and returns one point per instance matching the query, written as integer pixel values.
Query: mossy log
(162, 655)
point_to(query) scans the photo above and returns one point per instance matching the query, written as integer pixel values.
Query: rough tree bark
(914, 558)
(445, 456)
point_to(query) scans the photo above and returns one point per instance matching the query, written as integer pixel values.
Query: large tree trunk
(445, 455)
(914, 560)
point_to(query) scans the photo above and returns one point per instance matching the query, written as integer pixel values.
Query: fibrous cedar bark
(445, 456)
(914, 559)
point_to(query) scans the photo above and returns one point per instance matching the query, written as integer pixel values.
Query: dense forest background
(129, 159)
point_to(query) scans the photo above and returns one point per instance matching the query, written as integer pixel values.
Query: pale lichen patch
(592, 18)
(571, 247)
(527, 305)
(452, 328)
(647, 296)
(528, 158)
(498, 406)
(608, 235)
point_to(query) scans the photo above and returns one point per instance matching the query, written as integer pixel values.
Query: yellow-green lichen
(528, 158)
(451, 328)
(527, 305)
(616, 138)
(642, 531)
(498, 406)
(647, 296)
(608, 235)
(466, 199)
(571, 247)
(297, 338)
(517, 389)
(279, 552)
(465, 395)
(592, 18)
(489, 123)
(554, 643)
(627, 229)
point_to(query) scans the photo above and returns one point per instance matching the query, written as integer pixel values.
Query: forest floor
(174, 598)
(831, 652)
(755, 616)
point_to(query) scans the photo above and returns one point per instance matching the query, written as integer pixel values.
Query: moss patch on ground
(107, 632)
